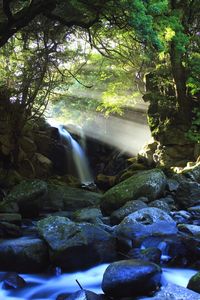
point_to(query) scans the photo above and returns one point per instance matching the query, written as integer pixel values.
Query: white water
(49, 287)
(79, 156)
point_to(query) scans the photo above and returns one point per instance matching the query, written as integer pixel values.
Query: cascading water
(79, 157)
(45, 287)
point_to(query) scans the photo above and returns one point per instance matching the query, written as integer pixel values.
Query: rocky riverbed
(143, 223)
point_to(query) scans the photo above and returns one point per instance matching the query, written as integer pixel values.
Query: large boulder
(63, 197)
(24, 255)
(188, 194)
(29, 195)
(76, 246)
(131, 206)
(149, 184)
(146, 222)
(130, 278)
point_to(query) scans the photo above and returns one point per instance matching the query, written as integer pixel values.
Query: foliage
(194, 132)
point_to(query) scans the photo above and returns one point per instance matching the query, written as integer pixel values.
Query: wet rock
(24, 255)
(181, 216)
(144, 222)
(190, 229)
(161, 204)
(10, 218)
(194, 283)
(149, 183)
(193, 173)
(76, 246)
(90, 215)
(81, 295)
(172, 185)
(188, 194)
(131, 206)
(129, 278)
(43, 165)
(29, 195)
(13, 281)
(172, 248)
(8, 230)
(150, 254)
(63, 197)
(174, 292)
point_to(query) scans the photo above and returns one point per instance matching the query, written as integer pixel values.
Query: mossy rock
(149, 184)
(194, 283)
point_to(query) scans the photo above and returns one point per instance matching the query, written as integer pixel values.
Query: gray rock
(29, 195)
(13, 281)
(161, 204)
(181, 216)
(193, 173)
(129, 278)
(174, 292)
(194, 283)
(75, 246)
(63, 197)
(11, 218)
(90, 215)
(190, 229)
(24, 255)
(131, 206)
(8, 230)
(149, 184)
(147, 221)
(188, 194)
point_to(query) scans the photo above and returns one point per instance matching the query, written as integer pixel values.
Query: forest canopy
(50, 50)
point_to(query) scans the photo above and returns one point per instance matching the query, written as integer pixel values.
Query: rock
(144, 222)
(130, 278)
(131, 206)
(149, 183)
(181, 216)
(146, 155)
(172, 248)
(81, 295)
(90, 215)
(188, 194)
(43, 166)
(193, 173)
(174, 292)
(195, 210)
(8, 207)
(8, 230)
(29, 195)
(194, 283)
(161, 205)
(28, 146)
(172, 185)
(24, 255)
(105, 181)
(63, 197)
(190, 229)
(192, 245)
(11, 218)
(76, 246)
(150, 254)
(13, 281)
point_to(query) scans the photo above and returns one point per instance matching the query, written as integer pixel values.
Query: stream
(49, 287)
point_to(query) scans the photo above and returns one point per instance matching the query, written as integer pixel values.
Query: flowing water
(79, 157)
(49, 287)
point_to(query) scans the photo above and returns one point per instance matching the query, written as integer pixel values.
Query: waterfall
(79, 156)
